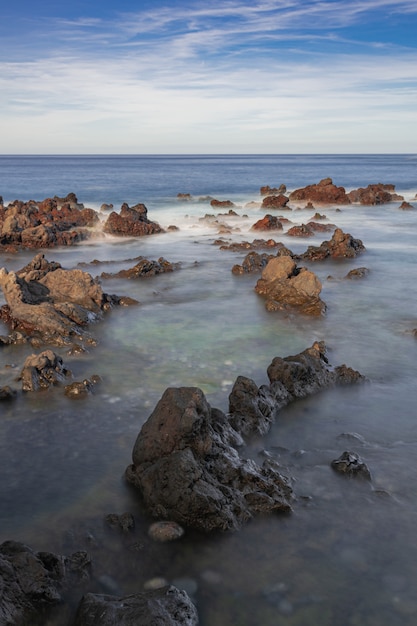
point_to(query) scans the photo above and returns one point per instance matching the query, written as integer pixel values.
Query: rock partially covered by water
(51, 222)
(46, 301)
(279, 201)
(324, 192)
(288, 287)
(145, 268)
(43, 370)
(131, 222)
(374, 194)
(341, 245)
(30, 582)
(187, 467)
(252, 409)
(269, 222)
(167, 606)
(350, 464)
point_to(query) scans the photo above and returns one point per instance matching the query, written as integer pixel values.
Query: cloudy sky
(209, 76)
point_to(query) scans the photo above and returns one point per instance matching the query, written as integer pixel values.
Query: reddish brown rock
(341, 245)
(287, 287)
(374, 194)
(275, 202)
(269, 222)
(405, 206)
(266, 190)
(325, 192)
(302, 230)
(145, 268)
(131, 222)
(222, 203)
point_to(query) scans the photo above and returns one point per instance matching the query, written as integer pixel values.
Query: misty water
(346, 554)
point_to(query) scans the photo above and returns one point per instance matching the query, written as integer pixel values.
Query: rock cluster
(186, 462)
(324, 192)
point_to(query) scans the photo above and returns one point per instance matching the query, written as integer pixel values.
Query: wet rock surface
(40, 371)
(186, 462)
(30, 582)
(374, 194)
(341, 245)
(143, 268)
(324, 192)
(269, 222)
(350, 464)
(167, 606)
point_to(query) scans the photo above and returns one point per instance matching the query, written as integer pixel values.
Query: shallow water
(346, 554)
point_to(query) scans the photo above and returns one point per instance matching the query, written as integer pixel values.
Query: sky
(208, 77)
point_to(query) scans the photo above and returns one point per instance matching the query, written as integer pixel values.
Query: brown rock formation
(341, 245)
(325, 192)
(374, 194)
(131, 222)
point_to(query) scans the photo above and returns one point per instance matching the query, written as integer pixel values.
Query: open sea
(347, 555)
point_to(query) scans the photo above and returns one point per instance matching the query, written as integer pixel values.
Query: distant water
(347, 555)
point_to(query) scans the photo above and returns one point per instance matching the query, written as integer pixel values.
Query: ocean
(347, 554)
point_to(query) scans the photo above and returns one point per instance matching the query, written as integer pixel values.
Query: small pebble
(165, 531)
(155, 583)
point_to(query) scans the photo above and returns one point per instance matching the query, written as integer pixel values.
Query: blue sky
(224, 76)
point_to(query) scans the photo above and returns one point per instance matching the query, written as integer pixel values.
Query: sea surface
(347, 554)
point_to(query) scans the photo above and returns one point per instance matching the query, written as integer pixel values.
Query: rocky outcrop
(275, 202)
(341, 245)
(187, 467)
(40, 371)
(269, 222)
(131, 222)
(405, 206)
(252, 409)
(31, 582)
(51, 303)
(266, 190)
(144, 268)
(186, 462)
(374, 194)
(223, 204)
(167, 606)
(350, 464)
(255, 262)
(324, 192)
(287, 287)
(51, 222)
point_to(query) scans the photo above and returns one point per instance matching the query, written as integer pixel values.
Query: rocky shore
(189, 467)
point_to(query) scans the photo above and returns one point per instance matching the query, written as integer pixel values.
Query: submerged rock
(166, 606)
(350, 464)
(145, 268)
(165, 531)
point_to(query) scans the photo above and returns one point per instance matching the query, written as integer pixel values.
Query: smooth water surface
(347, 554)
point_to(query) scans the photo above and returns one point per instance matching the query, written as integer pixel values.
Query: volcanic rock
(40, 371)
(275, 202)
(350, 464)
(324, 192)
(131, 222)
(266, 190)
(287, 287)
(374, 194)
(269, 222)
(341, 245)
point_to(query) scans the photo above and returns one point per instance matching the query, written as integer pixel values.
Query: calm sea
(347, 555)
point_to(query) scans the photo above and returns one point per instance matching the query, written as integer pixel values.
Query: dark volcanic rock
(30, 582)
(145, 268)
(325, 192)
(252, 409)
(43, 370)
(302, 230)
(131, 222)
(167, 606)
(341, 245)
(350, 464)
(188, 470)
(287, 287)
(255, 262)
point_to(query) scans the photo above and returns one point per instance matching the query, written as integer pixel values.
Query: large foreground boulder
(167, 606)
(287, 287)
(46, 301)
(131, 222)
(30, 582)
(185, 458)
(187, 467)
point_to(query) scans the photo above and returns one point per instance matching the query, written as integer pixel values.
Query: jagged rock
(302, 230)
(341, 245)
(275, 202)
(253, 262)
(358, 272)
(374, 194)
(269, 222)
(124, 522)
(81, 389)
(47, 301)
(166, 606)
(287, 287)
(252, 409)
(187, 467)
(405, 206)
(266, 190)
(324, 192)
(131, 222)
(222, 203)
(40, 371)
(30, 582)
(145, 268)
(350, 464)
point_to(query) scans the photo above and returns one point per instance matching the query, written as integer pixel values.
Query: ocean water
(347, 553)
